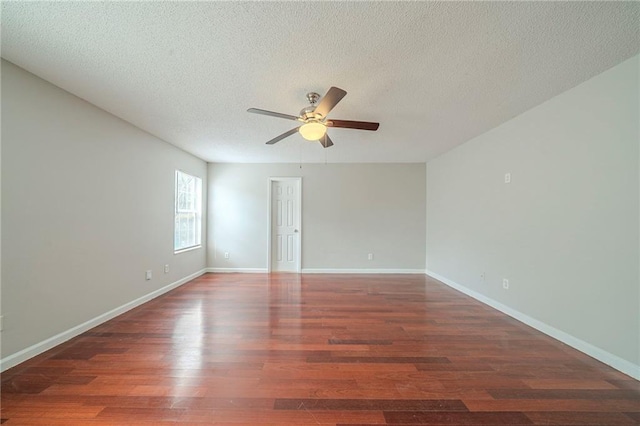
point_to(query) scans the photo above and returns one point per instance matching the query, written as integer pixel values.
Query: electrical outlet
(507, 178)
(482, 277)
(370, 256)
(505, 284)
(166, 268)
(148, 275)
(226, 254)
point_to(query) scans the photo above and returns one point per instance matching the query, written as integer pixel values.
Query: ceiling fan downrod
(313, 98)
(307, 113)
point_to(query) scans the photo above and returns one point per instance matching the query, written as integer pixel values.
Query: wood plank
(370, 404)
(457, 418)
(579, 418)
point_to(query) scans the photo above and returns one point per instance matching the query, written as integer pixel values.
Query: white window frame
(195, 210)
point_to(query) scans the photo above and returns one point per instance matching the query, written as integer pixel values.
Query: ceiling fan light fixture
(313, 131)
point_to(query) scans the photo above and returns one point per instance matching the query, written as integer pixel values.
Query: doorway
(285, 224)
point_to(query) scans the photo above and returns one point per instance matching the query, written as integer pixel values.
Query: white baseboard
(361, 271)
(319, 271)
(27, 353)
(610, 359)
(238, 270)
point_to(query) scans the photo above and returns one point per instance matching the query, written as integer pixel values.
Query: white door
(285, 224)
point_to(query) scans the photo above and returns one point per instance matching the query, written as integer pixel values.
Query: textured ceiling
(434, 74)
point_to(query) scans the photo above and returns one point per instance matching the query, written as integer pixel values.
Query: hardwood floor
(316, 349)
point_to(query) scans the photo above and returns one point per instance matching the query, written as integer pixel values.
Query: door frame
(298, 180)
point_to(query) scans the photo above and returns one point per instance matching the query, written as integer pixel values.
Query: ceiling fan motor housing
(307, 115)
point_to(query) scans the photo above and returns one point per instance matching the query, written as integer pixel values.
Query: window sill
(184, 250)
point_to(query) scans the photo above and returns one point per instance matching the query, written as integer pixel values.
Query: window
(188, 216)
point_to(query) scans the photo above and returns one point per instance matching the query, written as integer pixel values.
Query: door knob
(295, 230)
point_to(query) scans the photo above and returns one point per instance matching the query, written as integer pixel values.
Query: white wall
(565, 231)
(87, 208)
(349, 210)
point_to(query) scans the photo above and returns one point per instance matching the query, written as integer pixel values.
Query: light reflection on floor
(189, 333)
(230, 323)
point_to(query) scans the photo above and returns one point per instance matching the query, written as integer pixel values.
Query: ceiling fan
(314, 118)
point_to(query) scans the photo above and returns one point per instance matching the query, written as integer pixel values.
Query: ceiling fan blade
(329, 101)
(272, 114)
(326, 141)
(282, 136)
(348, 124)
